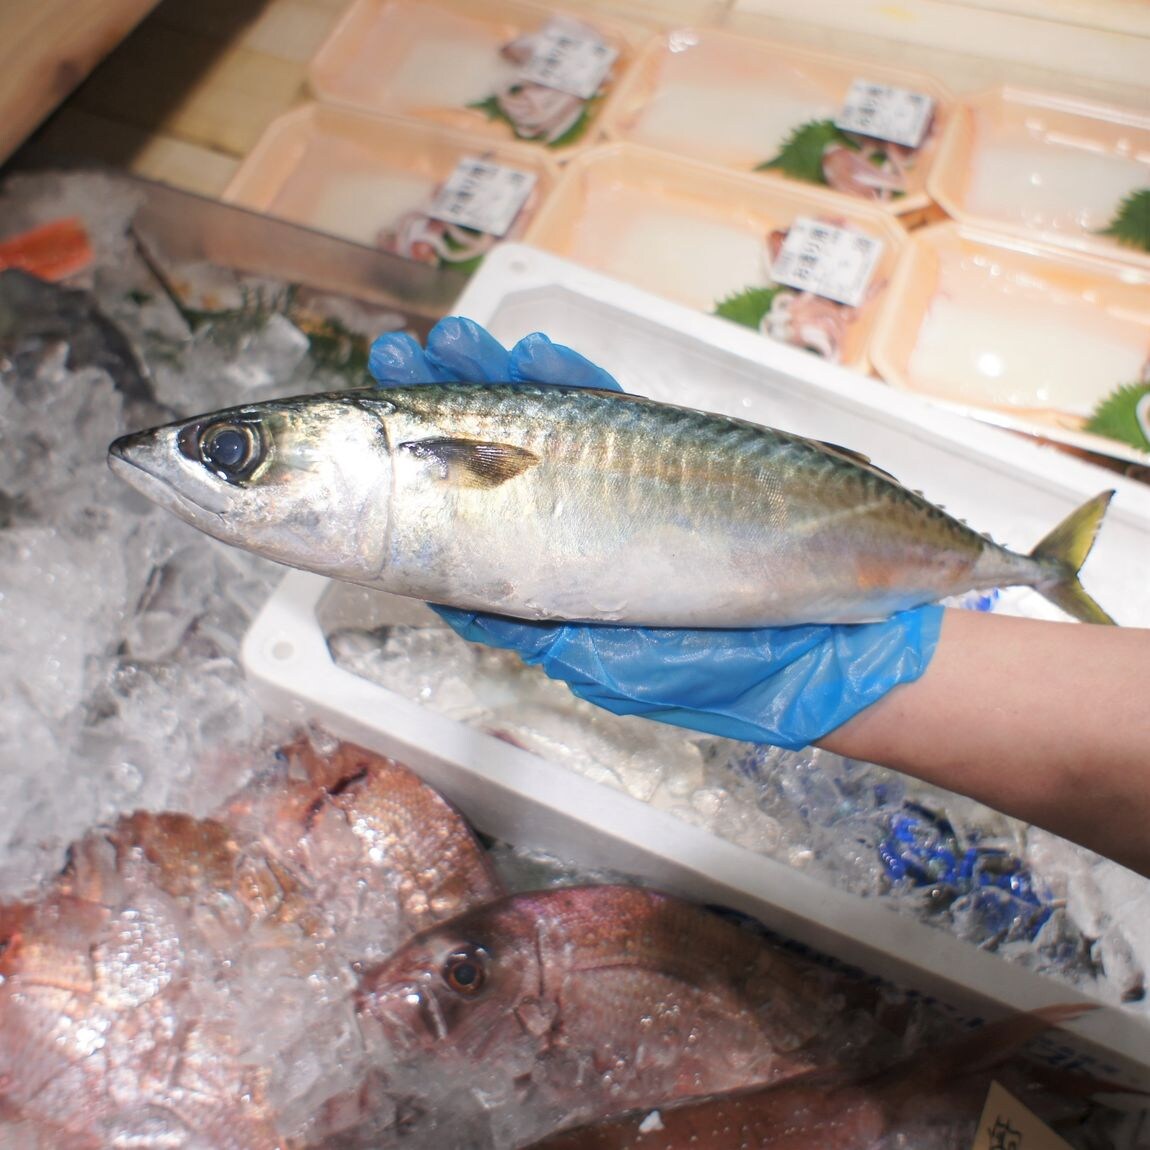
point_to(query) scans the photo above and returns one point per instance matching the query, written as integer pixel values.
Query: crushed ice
(1035, 899)
(120, 680)
(121, 686)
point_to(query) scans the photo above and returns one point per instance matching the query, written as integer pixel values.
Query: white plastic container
(734, 100)
(1043, 166)
(1000, 483)
(354, 175)
(698, 234)
(1017, 333)
(435, 60)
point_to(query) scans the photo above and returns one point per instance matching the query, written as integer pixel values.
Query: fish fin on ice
(1067, 547)
(473, 462)
(923, 1075)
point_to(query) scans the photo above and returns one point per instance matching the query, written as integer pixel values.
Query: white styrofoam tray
(1000, 483)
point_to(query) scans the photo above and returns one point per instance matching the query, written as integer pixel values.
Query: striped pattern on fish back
(753, 472)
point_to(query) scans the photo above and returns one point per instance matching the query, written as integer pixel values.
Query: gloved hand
(787, 686)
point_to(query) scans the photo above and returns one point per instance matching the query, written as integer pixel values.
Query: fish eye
(465, 970)
(232, 450)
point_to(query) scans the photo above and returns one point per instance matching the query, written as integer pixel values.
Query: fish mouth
(151, 463)
(405, 1010)
(125, 461)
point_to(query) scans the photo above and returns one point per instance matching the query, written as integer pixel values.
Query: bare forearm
(1049, 722)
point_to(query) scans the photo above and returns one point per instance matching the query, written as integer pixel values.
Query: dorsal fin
(855, 457)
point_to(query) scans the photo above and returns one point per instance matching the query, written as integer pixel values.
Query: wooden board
(46, 48)
(74, 136)
(212, 92)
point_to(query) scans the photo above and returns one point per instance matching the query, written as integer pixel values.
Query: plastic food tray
(733, 101)
(430, 59)
(997, 481)
(352, 175)
(696, 233)
(1019, 334)
(1043, 167)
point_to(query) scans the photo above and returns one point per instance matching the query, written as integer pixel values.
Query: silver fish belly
(560, 503)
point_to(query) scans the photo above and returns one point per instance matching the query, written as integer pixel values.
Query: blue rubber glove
(787, 686)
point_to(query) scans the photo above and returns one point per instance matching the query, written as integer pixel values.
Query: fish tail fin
(970, 1054)
(1065, 549)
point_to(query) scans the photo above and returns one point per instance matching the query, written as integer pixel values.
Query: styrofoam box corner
(1008, 486)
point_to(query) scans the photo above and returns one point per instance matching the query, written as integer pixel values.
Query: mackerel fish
(543, 502)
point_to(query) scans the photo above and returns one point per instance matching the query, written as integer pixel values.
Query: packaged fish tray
(530, 764)
(861, 127)
(427, 193)
(1047, 167)
(1042, 340)
(497, 69)
(661, 13)
(722, 242)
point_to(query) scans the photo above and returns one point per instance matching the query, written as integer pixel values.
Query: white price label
(827, 260)
(483, 196)
(885, 113)
(569, 57)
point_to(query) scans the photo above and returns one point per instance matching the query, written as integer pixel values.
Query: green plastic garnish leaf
(801, 156)
(749, 306)
(1131, 223)
(491, 109)
(1116, 416)
(580, 126)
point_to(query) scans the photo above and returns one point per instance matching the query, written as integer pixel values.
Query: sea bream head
(266, 477)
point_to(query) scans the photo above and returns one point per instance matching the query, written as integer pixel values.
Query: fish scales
(619, 450)
(546, 502)
(583, 1001)
(931, 1098)
(673, 492)
(142, 993)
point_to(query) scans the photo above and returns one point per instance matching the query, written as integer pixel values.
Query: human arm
(1045, 721)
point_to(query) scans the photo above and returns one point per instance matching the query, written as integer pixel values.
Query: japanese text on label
(886, 113)
(827, 260)
(1008, 1125)
(571, 58)
(483, 196)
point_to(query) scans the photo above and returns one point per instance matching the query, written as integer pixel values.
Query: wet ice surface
(120, 681)
(189, 982)
(118, 659)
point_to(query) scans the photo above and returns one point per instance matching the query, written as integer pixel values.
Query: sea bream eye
(465, 970)
(232, 450)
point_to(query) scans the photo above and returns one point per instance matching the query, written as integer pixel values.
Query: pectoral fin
(473, 462)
